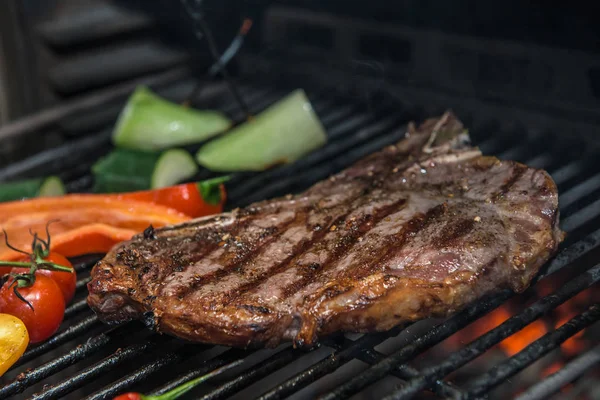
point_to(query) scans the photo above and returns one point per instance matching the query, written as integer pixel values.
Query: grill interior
(89, 360)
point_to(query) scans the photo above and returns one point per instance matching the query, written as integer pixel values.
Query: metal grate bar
(441, 388)
(70, 333)
(570, 254)
(81, 283)
(583, 216)
(57, 159)
(327, 365)
(78, 380)
(542, 161)
(256, 373)
(76, 308)
(496, 335)
(35, 375)
(568, 172)
(580, 190)
(139, 375)
(566, 374)
(533, 352)
(224, 359)
(431, 338)
(87, 264)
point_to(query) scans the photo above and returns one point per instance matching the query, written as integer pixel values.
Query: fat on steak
(419, 229)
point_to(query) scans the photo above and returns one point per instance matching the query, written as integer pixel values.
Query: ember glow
(509, 347)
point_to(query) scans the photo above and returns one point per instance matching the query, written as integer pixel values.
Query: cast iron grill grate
(89, 359)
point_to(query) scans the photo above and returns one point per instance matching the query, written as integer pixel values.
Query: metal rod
(496, 335)
(223, 359)
(30, 377)
(253, 375)
(79, 379)
(76, 308)
(430, 338)
(531, 353)
(139, 375)
(553, 383)
(45, 118)
(570, 254)
(581, 217)
(68, 334)
(441, 388)
(82, 283)
(327, 365)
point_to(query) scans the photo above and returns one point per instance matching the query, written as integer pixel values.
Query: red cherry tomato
(48, 306)
(66, 281)
(129, 396)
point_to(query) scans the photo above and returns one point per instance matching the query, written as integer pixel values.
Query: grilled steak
(419, 229)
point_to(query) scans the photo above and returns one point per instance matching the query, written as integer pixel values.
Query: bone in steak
(419, 229)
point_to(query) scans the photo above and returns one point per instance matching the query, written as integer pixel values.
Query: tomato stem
(40, 249)
(41, 264)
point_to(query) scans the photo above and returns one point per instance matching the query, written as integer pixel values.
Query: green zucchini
(36, 187)
(173, 166)
(149, 122)
(281, 134)
(125, 170)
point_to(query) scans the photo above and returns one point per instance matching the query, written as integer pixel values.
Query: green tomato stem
(40, 265)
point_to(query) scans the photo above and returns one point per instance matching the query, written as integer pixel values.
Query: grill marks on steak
(416, 230)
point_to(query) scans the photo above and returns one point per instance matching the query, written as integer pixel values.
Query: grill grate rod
(139, 375)
(429, 339)
(441, 332)
(582, 216)
(496, 335)
(533, 352)
(33, 376)
(570, 254)
(441, 388)
(566, 374)
(247, 378)
(75, 308)
(223, 363)
(70, 333)
(327, 365)
(226, 358)
(82, 283)
(108, 363)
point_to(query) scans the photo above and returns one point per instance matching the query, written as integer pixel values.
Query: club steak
(419, 229)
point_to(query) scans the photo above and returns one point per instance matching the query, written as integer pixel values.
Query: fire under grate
(87, 359)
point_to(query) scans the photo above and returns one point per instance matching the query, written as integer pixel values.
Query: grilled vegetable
(13, 341)
(172, 167)
(130, 170)
(35, 290)
(193, 199)
(38, 187)
(149, 122)
(283, 133)
(41, 306)
(84, 223)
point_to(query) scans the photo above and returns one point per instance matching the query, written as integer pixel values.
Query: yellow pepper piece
(13, 341)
